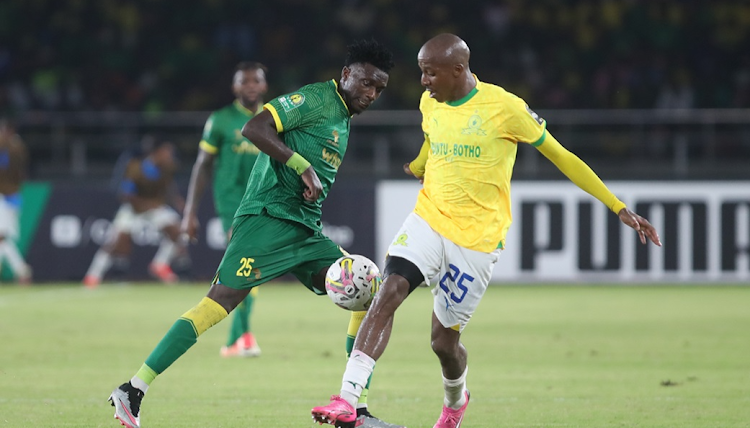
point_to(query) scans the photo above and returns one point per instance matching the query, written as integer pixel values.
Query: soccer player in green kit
(303, 137)
(230, 156)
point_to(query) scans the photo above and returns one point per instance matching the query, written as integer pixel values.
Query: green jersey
(235, 156)
(314, 122)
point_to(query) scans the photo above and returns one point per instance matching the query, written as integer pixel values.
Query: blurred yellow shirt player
(469, 203)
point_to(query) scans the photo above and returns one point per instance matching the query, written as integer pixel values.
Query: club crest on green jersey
(291, 102)
(335, 141)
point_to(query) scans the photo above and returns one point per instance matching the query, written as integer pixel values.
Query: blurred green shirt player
(277, 229)
(234, 157)
(230, 156)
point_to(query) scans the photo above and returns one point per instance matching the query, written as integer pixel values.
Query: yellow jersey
(472, 146)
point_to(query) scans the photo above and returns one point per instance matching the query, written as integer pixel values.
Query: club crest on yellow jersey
(474, 126)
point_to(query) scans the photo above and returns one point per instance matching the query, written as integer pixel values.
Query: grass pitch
(539, 356)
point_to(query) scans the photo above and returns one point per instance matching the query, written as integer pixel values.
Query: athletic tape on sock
(204, 315)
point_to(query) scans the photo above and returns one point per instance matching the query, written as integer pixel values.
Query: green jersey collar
(238, 105)
(336, 86)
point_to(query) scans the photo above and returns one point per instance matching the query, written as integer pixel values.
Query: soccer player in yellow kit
(455, 234)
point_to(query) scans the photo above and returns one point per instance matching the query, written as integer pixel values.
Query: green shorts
(263, 248)
(226, 221)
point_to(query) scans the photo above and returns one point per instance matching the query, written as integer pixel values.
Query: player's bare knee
(444, 348)
(227, 297)
(393, 291)
(445, 342)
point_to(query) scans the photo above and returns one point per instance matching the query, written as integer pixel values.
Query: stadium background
(654, 95)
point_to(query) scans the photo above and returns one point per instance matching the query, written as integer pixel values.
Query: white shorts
(8, 219)
(460, 275)
(128, 221)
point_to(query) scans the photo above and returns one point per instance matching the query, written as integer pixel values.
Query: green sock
(363, 397)
(143, 378)
(349, 345)
(183, 334)
(178, 339)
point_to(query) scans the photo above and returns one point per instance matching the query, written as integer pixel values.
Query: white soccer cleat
(126, 400)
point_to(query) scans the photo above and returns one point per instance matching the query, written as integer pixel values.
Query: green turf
(539, 356)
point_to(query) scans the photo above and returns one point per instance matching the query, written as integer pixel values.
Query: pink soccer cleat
(452, 418)
(338, 413)
(91, 281)
(164, 272)
(245, 346)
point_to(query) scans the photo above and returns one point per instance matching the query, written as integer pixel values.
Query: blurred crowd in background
(168, 55)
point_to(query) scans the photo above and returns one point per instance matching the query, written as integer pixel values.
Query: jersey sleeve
(295, 110)
(211, 139)
(425, 107)
(417, 166)
(579, 173)
(522, 124)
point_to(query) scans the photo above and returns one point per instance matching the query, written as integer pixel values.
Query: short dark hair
(371, 52)
(250, 66)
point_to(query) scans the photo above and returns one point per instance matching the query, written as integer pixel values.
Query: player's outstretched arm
(584, 177)
(262, 131)
(641, 225)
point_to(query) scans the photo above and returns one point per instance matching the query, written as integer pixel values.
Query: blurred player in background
(229, 157)
(147, 185)
(277, 228)
(457, 230)
(13, 164)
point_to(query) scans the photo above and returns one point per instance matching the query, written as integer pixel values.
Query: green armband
(298, 163)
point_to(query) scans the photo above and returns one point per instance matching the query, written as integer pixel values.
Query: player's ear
(345, 73)
(458, 69)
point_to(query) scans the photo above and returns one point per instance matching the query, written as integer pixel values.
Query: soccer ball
(352, 281)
